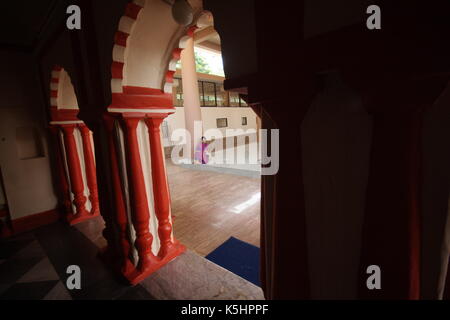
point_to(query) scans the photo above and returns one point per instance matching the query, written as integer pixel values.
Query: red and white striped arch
(126, 96)
(59, 113)
(126, 26)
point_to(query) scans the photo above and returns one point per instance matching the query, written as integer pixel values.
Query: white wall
(234, 116)
(66, 94)
(28, 182)
(209, 116)
(174, 121)
(149, 45)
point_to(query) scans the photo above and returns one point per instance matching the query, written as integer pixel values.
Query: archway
(147, 46)
(223, 183)
(74, 147)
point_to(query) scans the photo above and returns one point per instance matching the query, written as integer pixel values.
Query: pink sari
(200, 153)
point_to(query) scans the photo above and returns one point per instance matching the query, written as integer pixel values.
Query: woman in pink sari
(201, 155)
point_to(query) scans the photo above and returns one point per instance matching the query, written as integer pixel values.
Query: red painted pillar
(160, 186)
(121, 213)
(138, 196)
(76, 179)
(89, 162)
(61, 171)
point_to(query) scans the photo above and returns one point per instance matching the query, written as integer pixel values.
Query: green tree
(201, 65)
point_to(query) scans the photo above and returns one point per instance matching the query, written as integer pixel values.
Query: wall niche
(29, 143)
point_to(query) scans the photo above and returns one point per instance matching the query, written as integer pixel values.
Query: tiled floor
(33, 265)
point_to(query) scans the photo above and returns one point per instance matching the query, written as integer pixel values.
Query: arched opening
(144, 112)
(75, 151)
(217, 191)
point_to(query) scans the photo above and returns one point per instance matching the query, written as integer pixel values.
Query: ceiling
(23, 21)
(25, 24)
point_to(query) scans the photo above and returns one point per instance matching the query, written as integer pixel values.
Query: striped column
(76, 178)
(126, 24)
(160, 186)
(120, 206)
(89, 163)
(138, 197)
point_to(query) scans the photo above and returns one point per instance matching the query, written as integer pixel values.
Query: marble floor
(33, 267)
(208, 207)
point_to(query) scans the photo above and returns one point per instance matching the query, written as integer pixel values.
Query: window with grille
(211, 94)
(222, 122)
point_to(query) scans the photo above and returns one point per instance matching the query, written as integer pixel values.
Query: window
(244, 121)
(242, 102)
(209, 92)
(200, 93)
(222, 122)
(222, 96)
(234, 99)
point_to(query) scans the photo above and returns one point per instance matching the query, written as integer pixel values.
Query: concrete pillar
(191, 97)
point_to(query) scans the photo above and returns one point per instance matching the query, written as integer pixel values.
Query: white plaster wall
(209, 116)
(148, 46)
(234, 116)
(174, 121)
(66, 94)
(28, 182)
